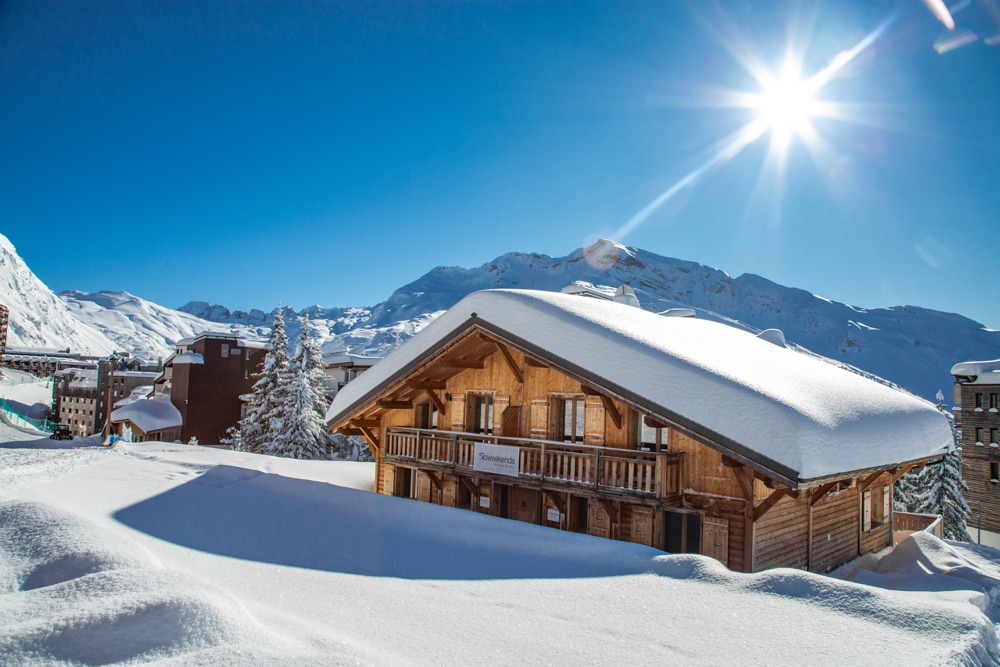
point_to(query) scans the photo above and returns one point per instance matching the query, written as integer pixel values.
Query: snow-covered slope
(143, 328)
(911, 346)
(287, 564)
(37, 317)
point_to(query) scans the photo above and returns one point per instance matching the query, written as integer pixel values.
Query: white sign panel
(553, 515)
(484, 501)
(496, 459)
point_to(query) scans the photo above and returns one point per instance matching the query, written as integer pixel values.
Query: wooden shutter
(510, 421)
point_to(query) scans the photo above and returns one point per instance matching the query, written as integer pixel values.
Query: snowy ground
(185, 555)
(26, 394)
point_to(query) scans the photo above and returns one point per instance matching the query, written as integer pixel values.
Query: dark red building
(206, 377)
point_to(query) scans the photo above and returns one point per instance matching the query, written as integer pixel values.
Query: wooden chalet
(682, 434)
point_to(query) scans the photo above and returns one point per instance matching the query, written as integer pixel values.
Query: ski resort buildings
(205, 379)
(683, 434)
(977, 397)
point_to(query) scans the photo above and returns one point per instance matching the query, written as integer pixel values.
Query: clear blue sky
(328, 152)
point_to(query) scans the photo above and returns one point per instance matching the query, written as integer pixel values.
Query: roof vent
(679, 312)
(773, 336)
(626, 295)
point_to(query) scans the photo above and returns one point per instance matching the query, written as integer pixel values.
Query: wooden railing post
(544, 464)
(597, 469)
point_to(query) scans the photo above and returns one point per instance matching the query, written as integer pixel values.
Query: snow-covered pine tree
(257, 427)
(906, 496)
(301, 397)
(943, 488)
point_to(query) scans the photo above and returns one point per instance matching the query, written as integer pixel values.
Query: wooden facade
(590, 460)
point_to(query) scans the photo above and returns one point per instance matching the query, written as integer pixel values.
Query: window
(651, 435)
(427, 416)
(979, 434)
(681, 533)
(993, 401)
(246, 374)
(995, 472)
(979, 400)
(225, 350)
(875, 507)
(482, 414)
(993, 435)
(570, 419)
(248, 355)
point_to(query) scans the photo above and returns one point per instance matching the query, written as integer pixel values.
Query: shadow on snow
(268, 518)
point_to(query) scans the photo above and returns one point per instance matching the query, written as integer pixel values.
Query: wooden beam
(437, 403)
(372, 440)
(903, 470)
(869, 480)
(473, 488)
(554, 496)
(367, 423)
(769, 502)
(395, 405)
(427, 384)
(744, 478)
(609, 404)
(456, 362)
(431, 475)
(818, 493)
(511, 364)
(536, 363)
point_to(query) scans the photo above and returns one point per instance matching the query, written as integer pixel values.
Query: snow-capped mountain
(911, 346)
(37, 317)
(141, 327)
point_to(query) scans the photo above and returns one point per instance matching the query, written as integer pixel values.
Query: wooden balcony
(546, 463)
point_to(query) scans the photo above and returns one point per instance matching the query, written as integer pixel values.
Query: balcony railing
(605, 469)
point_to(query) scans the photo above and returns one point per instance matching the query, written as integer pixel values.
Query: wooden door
(524, 504)
(715, 540)
(642, 525)
(600, 522)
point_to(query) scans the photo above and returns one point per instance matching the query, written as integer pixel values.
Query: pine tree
(301, 404)
(943, 488)
(257, 426)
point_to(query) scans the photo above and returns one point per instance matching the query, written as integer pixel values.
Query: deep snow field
(180, 555)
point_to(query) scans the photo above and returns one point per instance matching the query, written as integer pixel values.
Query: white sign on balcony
(496, 459)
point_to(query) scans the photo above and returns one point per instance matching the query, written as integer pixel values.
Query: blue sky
(251, 154)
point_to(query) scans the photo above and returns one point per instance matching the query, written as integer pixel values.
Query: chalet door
(642, 525)
(715, 542)
(482, 414)
(524, 504)
(501, 496)
(599, 522)
(404, 482)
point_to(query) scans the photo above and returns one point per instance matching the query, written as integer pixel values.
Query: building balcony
(543, 463)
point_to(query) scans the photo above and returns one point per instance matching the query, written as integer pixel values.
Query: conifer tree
(300, 401)
(943, 488)
(258, 425)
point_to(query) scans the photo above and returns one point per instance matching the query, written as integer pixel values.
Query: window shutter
(866, 509)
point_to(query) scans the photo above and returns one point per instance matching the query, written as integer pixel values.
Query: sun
(787, 103)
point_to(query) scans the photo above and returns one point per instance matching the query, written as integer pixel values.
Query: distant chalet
(683, 434)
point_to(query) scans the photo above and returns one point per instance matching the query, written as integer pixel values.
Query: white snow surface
(150, 415)
(803, 413)
(172, 554)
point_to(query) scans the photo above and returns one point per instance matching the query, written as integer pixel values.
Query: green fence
(20, 420)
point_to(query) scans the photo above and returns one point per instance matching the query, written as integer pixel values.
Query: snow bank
(804, 414)
(303, 571)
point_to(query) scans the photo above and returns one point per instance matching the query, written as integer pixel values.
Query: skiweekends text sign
(496, 459)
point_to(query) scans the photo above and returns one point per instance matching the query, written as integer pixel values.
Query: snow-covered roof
(985, 372)
(783, 409)
(253, 344)
(139, 393)
(343, 358)
(188, 358)
(150, 415)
